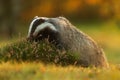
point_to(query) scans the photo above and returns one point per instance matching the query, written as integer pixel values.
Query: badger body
(64, 35)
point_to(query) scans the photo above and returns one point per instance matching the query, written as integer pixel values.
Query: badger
(60, 32)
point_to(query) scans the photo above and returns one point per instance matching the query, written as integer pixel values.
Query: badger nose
(29, 38)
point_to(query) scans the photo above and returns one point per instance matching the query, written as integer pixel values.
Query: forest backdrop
(17, 14)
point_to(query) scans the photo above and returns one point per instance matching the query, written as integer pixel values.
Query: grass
(25, 51)
(18, 62)
(38, 71)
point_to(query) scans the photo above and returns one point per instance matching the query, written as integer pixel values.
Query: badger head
(40, 29)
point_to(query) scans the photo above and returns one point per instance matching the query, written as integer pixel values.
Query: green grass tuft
(25, 51)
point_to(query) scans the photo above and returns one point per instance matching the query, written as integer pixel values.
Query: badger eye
(40, 35)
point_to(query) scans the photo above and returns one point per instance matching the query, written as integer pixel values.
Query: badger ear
(36, 17)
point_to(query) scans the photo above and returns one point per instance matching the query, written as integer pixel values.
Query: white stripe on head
(42, 26)
(31, 24)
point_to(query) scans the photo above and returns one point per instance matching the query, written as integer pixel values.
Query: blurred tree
(77, 9)
(8, 15)
(11, 11)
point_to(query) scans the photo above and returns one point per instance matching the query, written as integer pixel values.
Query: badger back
(81, 44)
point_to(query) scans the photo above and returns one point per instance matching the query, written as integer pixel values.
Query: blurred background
(98, 18)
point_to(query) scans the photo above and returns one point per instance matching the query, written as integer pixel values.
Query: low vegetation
(43, 51)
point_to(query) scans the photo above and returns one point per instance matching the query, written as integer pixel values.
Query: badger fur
(63, 34)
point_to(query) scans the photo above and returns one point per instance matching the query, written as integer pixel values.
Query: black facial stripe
(35, 24)
(48, 33)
